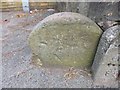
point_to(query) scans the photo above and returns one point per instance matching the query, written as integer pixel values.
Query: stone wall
(78, 7)
(105, 14)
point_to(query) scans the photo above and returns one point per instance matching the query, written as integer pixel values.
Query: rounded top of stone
(111, 33)
(65, 18)
(68, 17)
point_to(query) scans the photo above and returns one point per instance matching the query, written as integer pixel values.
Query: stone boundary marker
(65, 39)
(70, 39)
(106, 63)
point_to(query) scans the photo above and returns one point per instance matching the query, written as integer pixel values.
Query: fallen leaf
(71, 73)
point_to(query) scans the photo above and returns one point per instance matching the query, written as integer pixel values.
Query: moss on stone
(59, 43)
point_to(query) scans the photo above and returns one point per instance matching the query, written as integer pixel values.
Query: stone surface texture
(106, 63)
(17, 69)
(65, 39)
(77, 7)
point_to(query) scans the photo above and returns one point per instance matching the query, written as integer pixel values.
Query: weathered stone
(77, 7)
(61, 6)
(49, 12)
(105, 14)
(105, 65)
(104, 11)
(65, 39)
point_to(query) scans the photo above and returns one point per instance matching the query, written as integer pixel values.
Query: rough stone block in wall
(78, 7)
(106, 63)
(65, 39)
(104, 11)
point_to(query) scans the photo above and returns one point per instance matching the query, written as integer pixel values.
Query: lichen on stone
(65, 39)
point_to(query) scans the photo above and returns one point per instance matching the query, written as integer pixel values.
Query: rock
(105, 65)
(77, 7)
(100, 11)
(107, 24)
(61, 6)
(106, 14)
(65, 39)
(49, 12)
